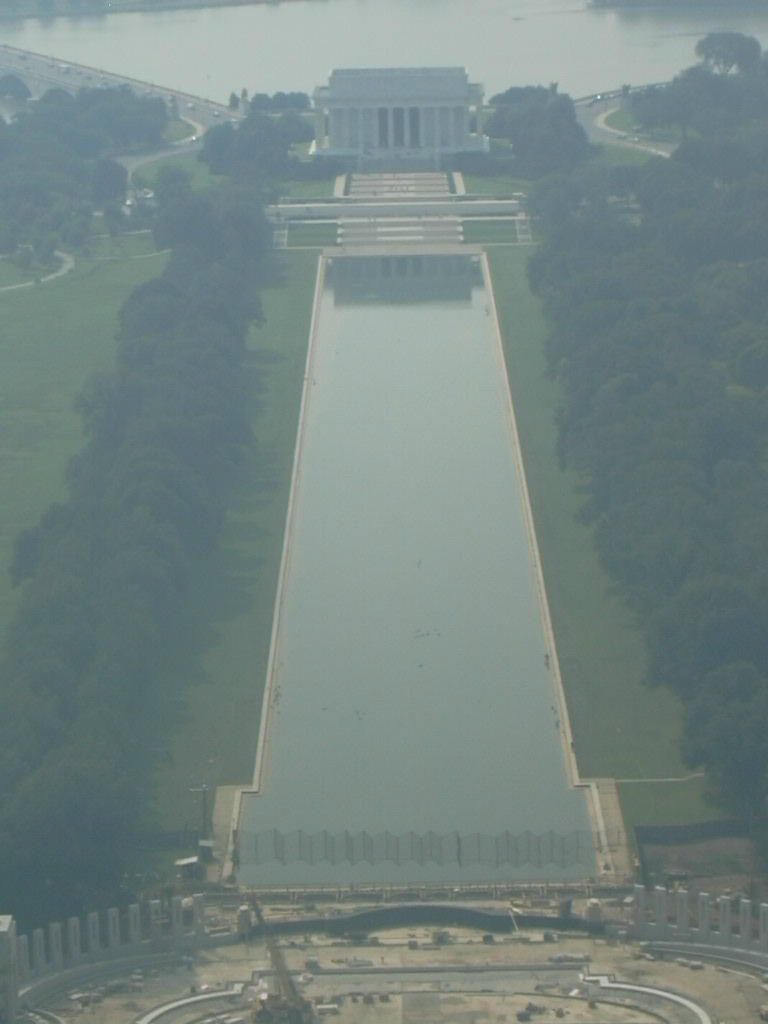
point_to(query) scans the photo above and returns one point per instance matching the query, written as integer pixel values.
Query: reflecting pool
(411, 732)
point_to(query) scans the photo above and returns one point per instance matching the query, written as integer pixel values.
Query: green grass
(621, 729)
(216, 741)
(177, 129)
(320, 189)
(319, 234)
(10, 274)
(494, 185)
(121, 246)
(198, 172)
(477, 232)
(666, 803)
(622, 120)
(52, 337)
(617, 155)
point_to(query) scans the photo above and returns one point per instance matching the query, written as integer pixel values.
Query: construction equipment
(285, 1005)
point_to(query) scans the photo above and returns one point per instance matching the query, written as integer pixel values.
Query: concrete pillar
(134, 924)
(56, 946)
(660, 910)
(198, 913)
(9, 972)
(682, 916)
(93, 933)
(704, 917)
(155, 926)
(391, 127)
(177, 919)
(22, 957)
(640, 908)
(724, 919)
(763, 927)
(39, 962)
(74, 946)
(319, 127)
(113, 928)
(745, 924)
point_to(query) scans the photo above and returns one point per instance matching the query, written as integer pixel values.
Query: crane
(286, 1005)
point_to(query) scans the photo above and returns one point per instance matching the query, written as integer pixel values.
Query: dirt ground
(460, 991)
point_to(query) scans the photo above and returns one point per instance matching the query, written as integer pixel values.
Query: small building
(397, 118)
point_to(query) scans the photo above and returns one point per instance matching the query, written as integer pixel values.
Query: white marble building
(398, 116)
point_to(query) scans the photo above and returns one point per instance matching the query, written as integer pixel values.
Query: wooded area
(106, 638)
(655, 280)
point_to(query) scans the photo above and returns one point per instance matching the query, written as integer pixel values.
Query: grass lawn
(617, 155)
(52, 337)
(621, 729)
(318, 234)
(177, 128)
(11, 274)
(320, 189)
(121, 246)
(667, 803)
(494, 185)
(622, 120)
(216, 742)
(477, 232)
(199, 174)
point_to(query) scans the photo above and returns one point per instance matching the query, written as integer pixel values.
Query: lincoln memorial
(397, 117)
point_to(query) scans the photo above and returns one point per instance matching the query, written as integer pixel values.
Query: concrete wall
(146, 930)
(676, 916)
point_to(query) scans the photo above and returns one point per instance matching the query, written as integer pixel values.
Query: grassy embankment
(52, 337)
(621, 729)
(215, 743)
(201, 177)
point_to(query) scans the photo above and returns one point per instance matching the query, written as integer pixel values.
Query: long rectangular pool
(411, 727)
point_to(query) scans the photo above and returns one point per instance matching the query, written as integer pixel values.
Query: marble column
(39, 962)
(763, 927)
(155, 926)
(640, 907)
(319, 127)
(113, 928)
(22, 957)
(134, 924)
(93, 933)
(177, 919)
(745, 924)
(724, 918)
(198, 910)
(682, 916)
(56, 946)
(74, 946)
(704, 917)
(660, 909)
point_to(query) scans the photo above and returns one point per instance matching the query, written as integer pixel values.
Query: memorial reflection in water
(409, 733)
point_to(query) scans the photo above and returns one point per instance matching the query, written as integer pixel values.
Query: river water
(294, 44)
(412, 732)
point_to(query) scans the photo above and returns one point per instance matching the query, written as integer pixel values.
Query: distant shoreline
(47, 10)
(667, 4)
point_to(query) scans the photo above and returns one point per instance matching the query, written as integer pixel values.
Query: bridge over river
(40, 72)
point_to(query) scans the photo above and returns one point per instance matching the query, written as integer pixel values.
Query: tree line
(106, 632)
(56, 163)
(655, 282)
